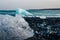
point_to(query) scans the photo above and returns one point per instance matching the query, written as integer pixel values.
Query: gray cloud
(29, 4)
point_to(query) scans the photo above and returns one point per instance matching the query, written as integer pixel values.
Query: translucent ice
(23, 12)
(14, 28)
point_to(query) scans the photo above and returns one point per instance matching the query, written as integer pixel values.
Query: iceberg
(23, 12)
(14, 28)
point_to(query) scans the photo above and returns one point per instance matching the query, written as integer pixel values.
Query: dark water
(9, 12)
(45, 12)
(34, 12)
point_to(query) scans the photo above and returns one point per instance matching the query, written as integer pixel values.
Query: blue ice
(23, 12)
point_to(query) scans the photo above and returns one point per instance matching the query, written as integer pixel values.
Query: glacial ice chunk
(23, 12)
(14, 28)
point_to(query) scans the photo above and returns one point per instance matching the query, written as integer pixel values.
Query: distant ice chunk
(14, 28)
(23, 12)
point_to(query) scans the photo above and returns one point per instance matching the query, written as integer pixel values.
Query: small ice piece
(23, 12)
(14, 28)
(43, 17)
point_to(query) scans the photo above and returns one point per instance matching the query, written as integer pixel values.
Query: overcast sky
(29, 4)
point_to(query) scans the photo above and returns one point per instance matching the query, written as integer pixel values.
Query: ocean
(35, 12)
